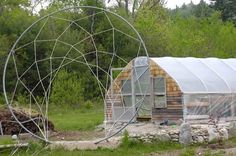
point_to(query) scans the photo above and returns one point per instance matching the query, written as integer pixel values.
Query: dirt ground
(77, 135)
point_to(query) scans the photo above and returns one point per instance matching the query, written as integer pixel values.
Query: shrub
(2, 100)
(21, 99)
(66, 90)
(88, 104)
(125, 139)
(127, 142)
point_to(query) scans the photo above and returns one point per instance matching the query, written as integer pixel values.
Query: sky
(169, 3)
(172, 3)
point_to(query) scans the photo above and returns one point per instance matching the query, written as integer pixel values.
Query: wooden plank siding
(174, 110)
(124, 74)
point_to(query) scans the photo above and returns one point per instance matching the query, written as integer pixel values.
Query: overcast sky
(172, 3)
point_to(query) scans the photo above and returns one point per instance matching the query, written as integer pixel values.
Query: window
(126, 86)
(126, 92)
(159, 85)
(160, 101)
(159, 91)
(142, 80)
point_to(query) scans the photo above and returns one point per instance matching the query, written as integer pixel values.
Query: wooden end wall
(174, 110)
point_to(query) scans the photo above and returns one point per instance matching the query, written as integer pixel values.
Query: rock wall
(185, 133)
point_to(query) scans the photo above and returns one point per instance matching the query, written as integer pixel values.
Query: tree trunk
(127, 7)
(133, 8)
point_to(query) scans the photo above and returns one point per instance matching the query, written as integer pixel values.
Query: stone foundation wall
(185, 133)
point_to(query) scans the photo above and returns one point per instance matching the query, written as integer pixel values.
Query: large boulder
(163, 137)
(224, 134)
(232, 129)
(213, 134)
(185, 134)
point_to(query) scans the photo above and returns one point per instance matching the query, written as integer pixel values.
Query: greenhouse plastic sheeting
(209, 105)
(200, 75)
(142, 85)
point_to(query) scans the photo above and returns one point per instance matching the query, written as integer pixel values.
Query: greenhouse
(168, 88)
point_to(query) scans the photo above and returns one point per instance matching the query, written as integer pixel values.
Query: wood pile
(10, 126)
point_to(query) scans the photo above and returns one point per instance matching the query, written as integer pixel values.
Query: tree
(152, 23)
(7, 5)
(14, 19)
(200, 10)
(66, 90)
(191, 30)
(202, 37)
(227, 8)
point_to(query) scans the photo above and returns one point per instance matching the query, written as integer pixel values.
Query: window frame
(122, 84)
(129, 95)
(159, 94)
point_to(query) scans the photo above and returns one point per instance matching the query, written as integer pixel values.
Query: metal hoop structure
(33, 44)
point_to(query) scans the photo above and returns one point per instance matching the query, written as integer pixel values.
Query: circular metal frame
(29, 28)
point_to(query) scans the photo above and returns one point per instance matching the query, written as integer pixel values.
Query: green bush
(2, 100)
(127, 142)
(88, 104)
(21, 99)
(66, 90)
(125, 139)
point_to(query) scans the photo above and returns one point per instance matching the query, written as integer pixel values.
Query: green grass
(134, 149)
(127, 148)
(189, 151)
(6, 140)
(76, 119)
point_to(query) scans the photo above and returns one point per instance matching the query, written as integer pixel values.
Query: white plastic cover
(201, 75)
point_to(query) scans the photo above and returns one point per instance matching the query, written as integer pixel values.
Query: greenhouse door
(142, 91)
(159, 92)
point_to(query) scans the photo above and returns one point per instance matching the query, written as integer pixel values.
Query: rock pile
(199, 134)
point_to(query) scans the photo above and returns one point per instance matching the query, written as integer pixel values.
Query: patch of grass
(34, 148)
(188, 151)
(231, 142)
(76, 119)
(127, 148)
(6, 140)
(2, 99)
(157, 145)
(135, 148)
(213, 153)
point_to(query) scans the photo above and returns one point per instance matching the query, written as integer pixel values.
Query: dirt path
(76, 135)
(86, 145)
